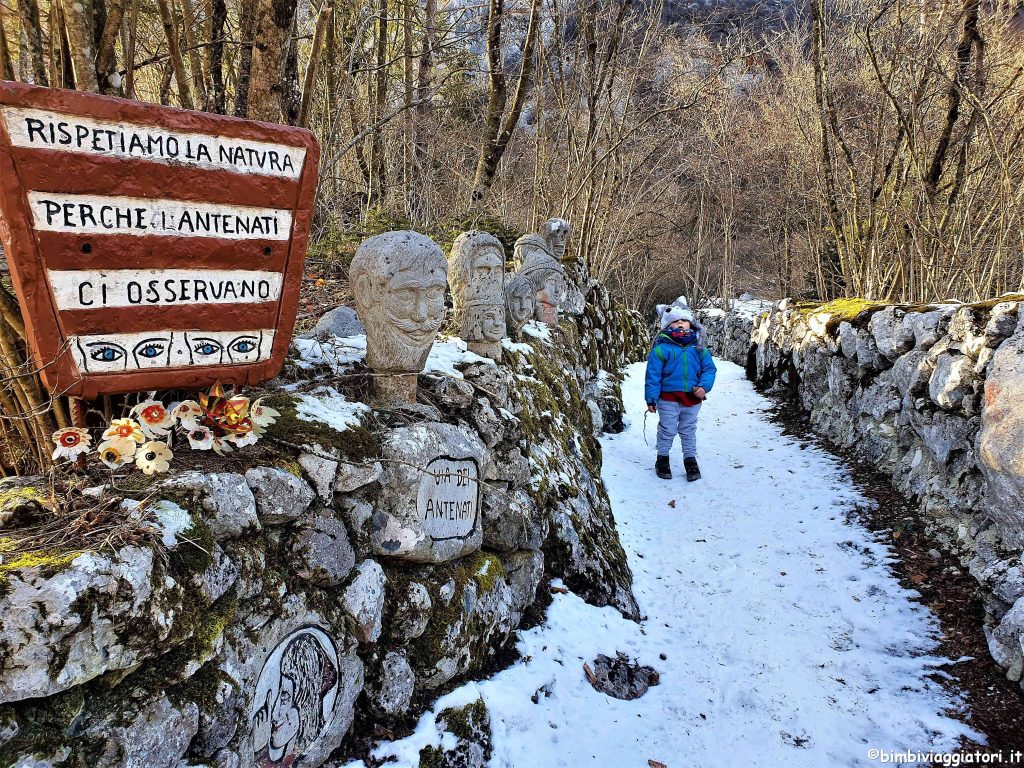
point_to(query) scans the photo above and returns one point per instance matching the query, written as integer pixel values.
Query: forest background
(811, 148)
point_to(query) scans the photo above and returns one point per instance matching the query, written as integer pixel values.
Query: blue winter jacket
(674, 367)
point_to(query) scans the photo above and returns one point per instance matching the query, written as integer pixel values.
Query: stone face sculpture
(537, 263)
(399, 281)
(520, 304)
(476, 272)
(556, 231)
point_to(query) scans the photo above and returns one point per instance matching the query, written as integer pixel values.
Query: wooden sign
(150, 247)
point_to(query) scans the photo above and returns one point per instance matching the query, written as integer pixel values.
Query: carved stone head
(399, 281)
(520, 303)
(476, 273)
(538, 265)
(556, 231)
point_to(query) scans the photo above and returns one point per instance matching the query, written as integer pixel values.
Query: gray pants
(673, 419)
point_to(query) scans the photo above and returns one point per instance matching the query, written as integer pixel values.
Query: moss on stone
(194, 552)
(356, 443)
(43, 725)
(471, 725)
(205, 627)
(24, 495)
(51, 561)
(484, 568)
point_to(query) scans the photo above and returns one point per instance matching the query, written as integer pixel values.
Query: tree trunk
(247, 31)
(425, 81)
(174, 50)
(291, 96)
(408, 94)
(6, 64)
(498, 130)
(189, 24)
(267, 86)
(78, 20)
(106, 58)
(28, 10)
(128, 32)
(323, 22)
(218, 17)
(380, 94)
(832, 264)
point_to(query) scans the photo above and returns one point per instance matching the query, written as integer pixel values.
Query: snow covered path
(781, 637)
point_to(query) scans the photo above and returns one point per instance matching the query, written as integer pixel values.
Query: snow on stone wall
(280, 601)
(931, 395)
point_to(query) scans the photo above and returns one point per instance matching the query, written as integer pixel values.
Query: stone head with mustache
(399, 281)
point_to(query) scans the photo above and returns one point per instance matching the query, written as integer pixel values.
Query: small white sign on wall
(448, 498)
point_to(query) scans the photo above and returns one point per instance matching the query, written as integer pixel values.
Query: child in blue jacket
(680, 373)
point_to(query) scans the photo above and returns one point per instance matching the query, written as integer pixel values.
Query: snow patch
(449, 352)
(326, 405)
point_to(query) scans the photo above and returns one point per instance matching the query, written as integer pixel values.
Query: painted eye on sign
(150, 247)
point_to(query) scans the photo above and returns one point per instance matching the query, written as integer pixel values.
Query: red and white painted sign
(150, 247)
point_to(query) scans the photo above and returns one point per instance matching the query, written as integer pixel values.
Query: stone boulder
(952, 380)
(224, 498)
(429, 509)
(1000, 447)
(390, 692)
(301, 655)
(891, 334)
(341, 322)
(468, 743)
(280, 496)
(1006, 641)
(363, 601)
(322, 553)
(68, 620)
(477, 603)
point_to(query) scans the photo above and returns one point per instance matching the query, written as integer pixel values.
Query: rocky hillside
(279, 608)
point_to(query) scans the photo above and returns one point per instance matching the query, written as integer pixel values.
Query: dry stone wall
(263, 609)
(931, 395)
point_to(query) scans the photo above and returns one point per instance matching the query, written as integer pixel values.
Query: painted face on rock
(414, 305)
(286, 718)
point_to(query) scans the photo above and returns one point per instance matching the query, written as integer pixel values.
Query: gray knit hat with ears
(668, 314)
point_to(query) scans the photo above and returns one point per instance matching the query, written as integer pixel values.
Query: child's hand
(700, 392)
(651, 408)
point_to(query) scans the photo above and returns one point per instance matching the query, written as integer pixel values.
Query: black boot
(692, 470)
(662, 468)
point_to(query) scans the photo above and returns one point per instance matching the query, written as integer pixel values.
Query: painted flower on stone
(221, 446)
(262, 415)
(199, 437)
(71, 442)
(118, 451)
(153, 457)
(127, 429)
(153, 418)
(242, 440)
(187, 413)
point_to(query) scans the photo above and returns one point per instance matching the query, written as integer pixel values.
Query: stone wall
(931, 395)
(253, 609)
